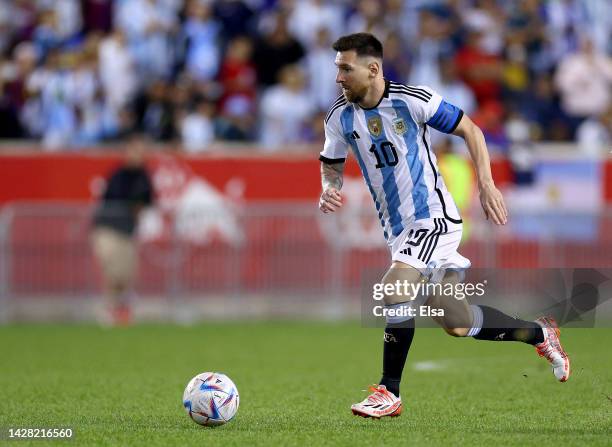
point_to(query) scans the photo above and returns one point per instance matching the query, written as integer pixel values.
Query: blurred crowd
(77, 73)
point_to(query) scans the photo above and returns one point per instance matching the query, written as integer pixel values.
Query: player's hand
(330, 200)
(493, 204)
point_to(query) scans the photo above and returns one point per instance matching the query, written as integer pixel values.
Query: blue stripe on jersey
(445, 117)
(419, 187)
(389, 183)
(346, 119)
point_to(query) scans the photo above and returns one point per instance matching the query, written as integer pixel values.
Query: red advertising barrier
(607, 181)
(48, 251)
(72, 176)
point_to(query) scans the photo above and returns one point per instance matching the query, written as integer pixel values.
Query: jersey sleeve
(436, 112)
(335, 148)
(446, 116)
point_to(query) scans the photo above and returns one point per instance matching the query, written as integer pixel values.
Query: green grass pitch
(296, 381)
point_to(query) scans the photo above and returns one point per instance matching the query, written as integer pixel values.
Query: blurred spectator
(487, 18)
(566, 19)
(308, 16)
(118, 124)
(231, 51)
(88, 100)
(15, 75)
(515, 76)
(59, 117)
(515, 71)
(431, 45)
(276, 49)
(147, 25)
(401, 20)
(599, 23)
(285, 110)
(197, 127)
(321, 71)
(97, 15)
(68, 15)
(457, 173)
(201, 33)
(47, 35)
(236, 17)
(368, 18)
(396, 67)
(128, 191)
(453, 89)
(237, 120)
(238, 77)
(541, 107)
(9, 124)
(181, 95)
(594, 135)
(489, 117)
(584, 80)
(5, 27)
(520, 150)
(154, 112)
(23, 17)
(117, 71)
(526, 31)
(480, 70)
(315, 130)
(32, 114)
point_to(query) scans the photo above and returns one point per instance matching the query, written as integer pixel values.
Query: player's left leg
(487, 323)
(543, 333)
(444, 263)
(461, 319)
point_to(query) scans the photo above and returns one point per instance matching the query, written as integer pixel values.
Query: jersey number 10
(389, 154)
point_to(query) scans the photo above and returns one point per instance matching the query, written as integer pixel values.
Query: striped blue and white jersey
(392, 146)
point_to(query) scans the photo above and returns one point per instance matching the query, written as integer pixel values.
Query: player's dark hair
(364, 44)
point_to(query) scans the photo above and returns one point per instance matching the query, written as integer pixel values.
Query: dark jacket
(128, 190)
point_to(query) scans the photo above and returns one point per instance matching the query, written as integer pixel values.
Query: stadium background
(232, 94)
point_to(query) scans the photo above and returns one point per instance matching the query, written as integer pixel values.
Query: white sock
(476, 320)
(402, 307)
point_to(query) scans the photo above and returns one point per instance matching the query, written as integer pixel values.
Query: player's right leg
(384, 399)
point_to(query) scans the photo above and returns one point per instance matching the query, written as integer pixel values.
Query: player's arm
(331, 181)
(491, 198)
(332, 157)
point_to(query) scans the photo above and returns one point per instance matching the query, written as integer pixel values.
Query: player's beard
(355, 95)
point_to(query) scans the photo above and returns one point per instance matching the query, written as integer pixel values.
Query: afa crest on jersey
(375, 126)
(399, 126)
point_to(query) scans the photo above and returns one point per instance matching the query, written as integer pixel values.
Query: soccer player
(387, 124)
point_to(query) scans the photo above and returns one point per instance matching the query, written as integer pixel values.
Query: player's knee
(392, 299)
(457, 331)
(396, 284)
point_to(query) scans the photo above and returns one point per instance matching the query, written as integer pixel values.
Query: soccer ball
(211, 399)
